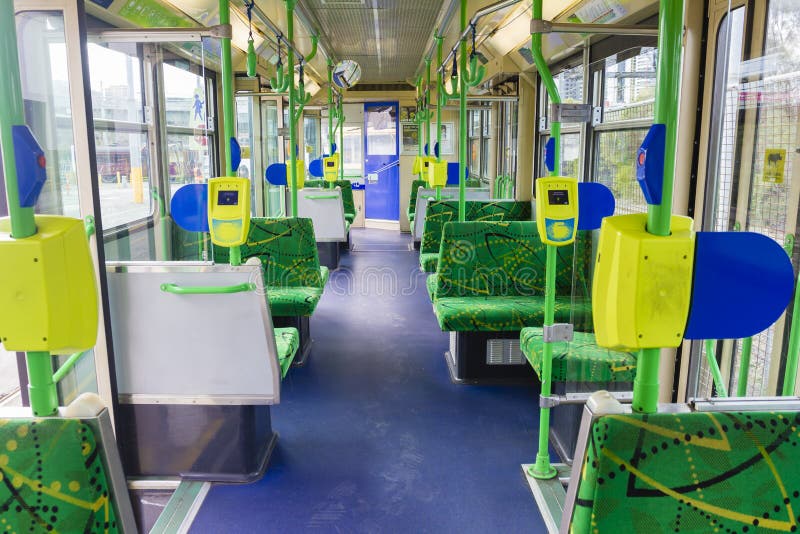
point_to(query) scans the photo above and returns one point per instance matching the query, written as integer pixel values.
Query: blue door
(381, 161)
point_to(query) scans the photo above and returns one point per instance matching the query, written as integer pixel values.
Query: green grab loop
(208, 290)
(41, 388)
(252, 59)
(542, 469)
(89, 226)
(67, 366)
(314, 42)
(12, 113)
(744, 367)
(714, 367)
(550, 86)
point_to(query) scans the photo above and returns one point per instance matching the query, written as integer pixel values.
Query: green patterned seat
(442, 212)
(491, 278)
(690, 472)
(54, 478)
(580, 360)
(287, 341)
(292, 273)
(430, 284)
(412, 202)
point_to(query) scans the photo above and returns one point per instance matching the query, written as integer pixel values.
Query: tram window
(570, 88)
(613, 167)
(352, 159)
(629, 85)
(121, 135)
(753, 137)
(190, 135)
(311, 134)
(382, 132)
(48, 111)
(271, 154)
(570, 154)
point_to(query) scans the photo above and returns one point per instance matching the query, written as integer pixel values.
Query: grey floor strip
(182, 508)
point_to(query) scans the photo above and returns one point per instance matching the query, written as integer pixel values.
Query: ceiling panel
(386, 37)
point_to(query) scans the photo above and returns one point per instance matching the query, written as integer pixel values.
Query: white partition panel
(326, 209)
(191, 349)
(448, 193)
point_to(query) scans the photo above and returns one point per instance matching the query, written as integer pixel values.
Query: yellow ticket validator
(228, 210)
(557, 210)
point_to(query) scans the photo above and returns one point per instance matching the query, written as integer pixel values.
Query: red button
(642, 157)
(42, 162)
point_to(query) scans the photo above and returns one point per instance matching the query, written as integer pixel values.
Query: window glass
(121, 137)
(381, 132)
(614, 167)
(352, 154)
(189, 141)
(271, 154)
(48, 112)
(570, 155)
(311, 133)
(630, 82)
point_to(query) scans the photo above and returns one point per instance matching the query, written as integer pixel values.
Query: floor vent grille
(504, 352)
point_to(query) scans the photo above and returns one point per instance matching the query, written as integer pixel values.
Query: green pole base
(542, 469)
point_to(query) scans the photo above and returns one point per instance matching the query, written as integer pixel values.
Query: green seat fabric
(287, 341)
(491, 278)
(324, 274)
(690, 472)
(54, 478)
(580, 360)
(293, 301)
(412, 201)
(496, 314)
(442, 212)
(288, 251)
(430, 283)
(428, 261)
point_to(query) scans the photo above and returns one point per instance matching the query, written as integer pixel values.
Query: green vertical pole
(668, 76)
(744, 367)
(12, 113)
(292, 104)
(42, 389)
(542, 468)
(794, 346)
(549, 84)
(427, 97)
(331, 133)
(462, 109)
(439, 97)
(341, 138)
(228, 105)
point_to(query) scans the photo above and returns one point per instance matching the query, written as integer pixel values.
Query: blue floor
(374, 437)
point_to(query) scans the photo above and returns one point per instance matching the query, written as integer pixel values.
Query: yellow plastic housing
(557, 210)
(330, 168)
(300, 167)
(48, 292)
(437, 173)
(642, 283)
(229, 210)
(417, 165)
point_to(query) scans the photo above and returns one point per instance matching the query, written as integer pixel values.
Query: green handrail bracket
(207, 290)
(89, 226)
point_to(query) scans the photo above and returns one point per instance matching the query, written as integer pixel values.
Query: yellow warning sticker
(774, 165)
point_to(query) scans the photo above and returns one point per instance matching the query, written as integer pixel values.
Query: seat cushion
(411, 215)
(690, 472)
(71, 467)
(349, 217)
(580, 360)
(287, 340)
(324, 274)
(428, 261)
(430, 283)
(293, 301)
(500, 314)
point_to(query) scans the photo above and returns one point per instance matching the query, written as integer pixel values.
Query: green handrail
(67, 366)
(322, 197)
(793, 351)
(207, 290)
(714, 366)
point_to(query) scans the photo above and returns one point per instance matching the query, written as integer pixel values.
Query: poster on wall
(409, 132)
(448, 135)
